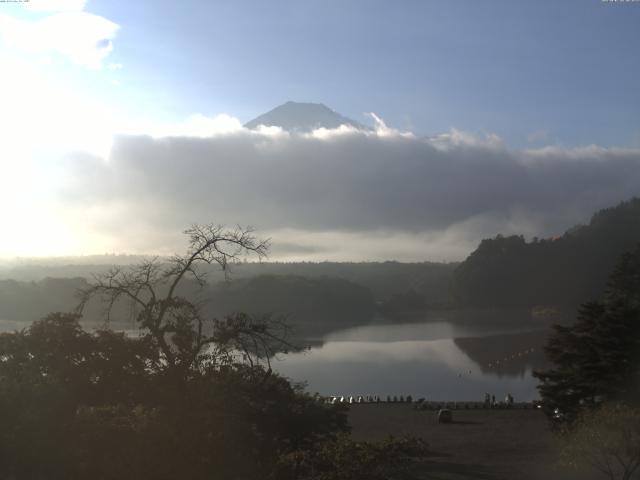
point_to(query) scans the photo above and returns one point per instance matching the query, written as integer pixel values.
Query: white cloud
(83, 38)
(344, 194)
(198, 126)
(328, 133)
(455, 138)
(56, 5)
(331, 194)
(41, 120)
(382, 130)
(41, 114)
(452, 242)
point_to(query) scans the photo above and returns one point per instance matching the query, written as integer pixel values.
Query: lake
(438, 361)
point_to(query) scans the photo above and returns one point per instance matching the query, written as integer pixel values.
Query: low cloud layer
(344, 194)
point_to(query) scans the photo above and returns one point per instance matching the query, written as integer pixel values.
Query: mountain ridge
(303, 117)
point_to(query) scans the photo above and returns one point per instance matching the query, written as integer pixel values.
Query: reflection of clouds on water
(394, 333)
(432, 330)
(435, 369)
(438, 351)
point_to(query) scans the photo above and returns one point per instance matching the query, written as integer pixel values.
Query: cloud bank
(343, 194)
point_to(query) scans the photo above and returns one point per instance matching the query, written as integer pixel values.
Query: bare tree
(183, 337)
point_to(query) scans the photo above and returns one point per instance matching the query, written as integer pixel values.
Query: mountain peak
(302, 117)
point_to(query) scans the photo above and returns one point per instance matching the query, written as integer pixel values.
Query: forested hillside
(563, 271)
(29, 301)
(385, 279)
(310, 304)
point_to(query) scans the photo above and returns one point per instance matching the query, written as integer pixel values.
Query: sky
(122, 123)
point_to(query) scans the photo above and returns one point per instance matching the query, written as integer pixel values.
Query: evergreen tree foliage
(597, 359)
(562, 271)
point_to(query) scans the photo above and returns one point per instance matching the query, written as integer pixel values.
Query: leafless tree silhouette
(184, 338)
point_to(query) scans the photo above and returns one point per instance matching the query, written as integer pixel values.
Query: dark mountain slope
(302, 117)
(564, 271)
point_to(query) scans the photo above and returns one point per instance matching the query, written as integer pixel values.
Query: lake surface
(436, 360)
(422, 360)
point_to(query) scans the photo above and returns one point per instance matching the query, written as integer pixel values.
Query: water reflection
(385, 332)
(422, 360)
(436, 360)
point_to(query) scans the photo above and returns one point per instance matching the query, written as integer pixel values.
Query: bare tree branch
(176, 324)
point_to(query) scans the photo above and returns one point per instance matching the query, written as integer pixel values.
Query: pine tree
(597, 359)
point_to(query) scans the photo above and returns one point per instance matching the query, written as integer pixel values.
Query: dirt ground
(480, 444)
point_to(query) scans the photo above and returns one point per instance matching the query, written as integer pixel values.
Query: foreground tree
(189, 397)
(598, 358)
(48, 372)
(76, 405)
(184, 338)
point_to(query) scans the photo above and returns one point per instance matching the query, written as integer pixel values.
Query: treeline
(28, 301)
(310, 305)
(430, 280)
(563, 271)
(384, 279)
(503, 272)
(313, 296)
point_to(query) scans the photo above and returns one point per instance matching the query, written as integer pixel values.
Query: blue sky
(547, 71)
(499, 79)
(566, 70)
